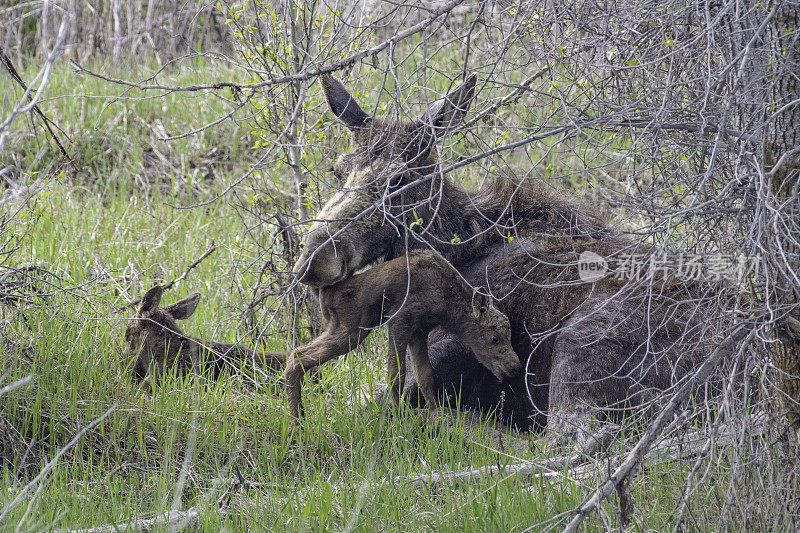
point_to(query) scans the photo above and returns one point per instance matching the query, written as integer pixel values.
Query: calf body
(157, 344)
(414, 294)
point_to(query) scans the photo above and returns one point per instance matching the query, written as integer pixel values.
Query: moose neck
(463, 226)
(233, 356)
(454, 225)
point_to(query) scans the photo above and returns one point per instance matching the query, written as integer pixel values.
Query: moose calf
(414, 294)
(154, 339)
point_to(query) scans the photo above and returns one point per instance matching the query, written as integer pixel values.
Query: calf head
(487, 333)
(379, 185)
(153, 338)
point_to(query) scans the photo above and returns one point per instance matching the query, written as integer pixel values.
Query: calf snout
(140, 370)
(511, 368)
(505, 365)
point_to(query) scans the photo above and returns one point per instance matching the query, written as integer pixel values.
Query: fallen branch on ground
(173, 520)
(681, 447)
(17, 384)
(521, 471)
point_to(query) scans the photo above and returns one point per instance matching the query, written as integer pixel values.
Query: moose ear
(480, 302)
(342, 103)
(185, 308)
(446, 113)
(151, 299)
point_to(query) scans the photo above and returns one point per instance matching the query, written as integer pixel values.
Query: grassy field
(109, 231)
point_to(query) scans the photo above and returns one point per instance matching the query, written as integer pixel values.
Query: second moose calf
(156, 342)
(414, 294)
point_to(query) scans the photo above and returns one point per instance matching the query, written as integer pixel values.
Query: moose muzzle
(324, 262)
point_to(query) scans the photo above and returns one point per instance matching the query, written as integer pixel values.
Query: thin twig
(32, 99)
(170, 284)
(511, 97)
(737, 340)
(173, 520)
(300, 76)
(6, 61)
(21, 495)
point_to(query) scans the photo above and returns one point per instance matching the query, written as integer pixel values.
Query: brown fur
(589, 348)
(156, 343)
(415, 294)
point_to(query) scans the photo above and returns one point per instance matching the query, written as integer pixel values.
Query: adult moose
(589, 348)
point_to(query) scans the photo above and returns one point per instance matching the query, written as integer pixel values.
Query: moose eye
(337, 176)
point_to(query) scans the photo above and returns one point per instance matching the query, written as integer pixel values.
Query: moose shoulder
(588, 347)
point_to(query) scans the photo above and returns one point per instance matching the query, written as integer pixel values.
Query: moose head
(386, 182)
(153, 337)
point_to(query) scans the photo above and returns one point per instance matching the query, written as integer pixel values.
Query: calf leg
(396, 362)
(327, 346)
(418, 348)
(456, 371)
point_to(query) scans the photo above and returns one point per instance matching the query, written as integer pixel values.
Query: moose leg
(418, 348)
(275, 361)
(327, 346)
(401, 331)
(614, 357)
(575, 395)
(596, 369)
(396, 362)
(455, 370)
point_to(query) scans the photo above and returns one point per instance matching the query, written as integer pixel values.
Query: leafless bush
(679, 117)
(115, 29)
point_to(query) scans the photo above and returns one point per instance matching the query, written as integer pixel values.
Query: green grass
(109, 231)
(110, 238)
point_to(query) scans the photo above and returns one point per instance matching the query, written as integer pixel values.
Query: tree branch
(170, 284)
(738, 339)
(300, 76)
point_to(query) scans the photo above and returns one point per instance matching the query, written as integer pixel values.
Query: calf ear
(151, 299)
(185, 308)
(446, 113)
(342, 103)
(480, 303)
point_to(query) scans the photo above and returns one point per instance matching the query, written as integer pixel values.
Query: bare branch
(172, 282)
(301, 76)
(22, 494)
